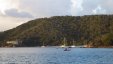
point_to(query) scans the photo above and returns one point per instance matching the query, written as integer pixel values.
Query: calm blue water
(52, 55)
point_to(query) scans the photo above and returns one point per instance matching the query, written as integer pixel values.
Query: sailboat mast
(73, 42)
(43, 43)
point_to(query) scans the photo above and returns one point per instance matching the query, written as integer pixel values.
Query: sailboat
(73, 46)
(43, 45)
(64, 43)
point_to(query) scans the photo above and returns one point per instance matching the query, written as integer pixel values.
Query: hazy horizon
(16, 12)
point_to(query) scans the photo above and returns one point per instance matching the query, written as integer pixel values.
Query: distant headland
(90, 30)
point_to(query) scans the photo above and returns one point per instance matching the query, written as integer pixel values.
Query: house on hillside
(13, 43)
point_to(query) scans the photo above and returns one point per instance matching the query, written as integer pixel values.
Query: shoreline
(60, 47)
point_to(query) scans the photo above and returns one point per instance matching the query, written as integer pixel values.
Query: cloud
(99, 10)
(8, 4)
(18, 14)
(89, 7)
(46, 8)
(76, 7)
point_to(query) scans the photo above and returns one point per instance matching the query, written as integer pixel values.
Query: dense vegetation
(96, 30)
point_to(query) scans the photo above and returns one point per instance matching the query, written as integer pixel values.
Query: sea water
(56, 55)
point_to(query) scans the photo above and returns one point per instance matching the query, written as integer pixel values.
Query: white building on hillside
(15, 42)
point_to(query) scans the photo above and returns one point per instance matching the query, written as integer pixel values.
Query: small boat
(67, 49)
(42, 46)
(73, 46)
(62, 46)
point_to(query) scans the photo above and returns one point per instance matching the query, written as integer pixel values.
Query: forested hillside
(96, 30)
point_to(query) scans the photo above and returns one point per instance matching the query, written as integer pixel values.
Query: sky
(16, 12)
